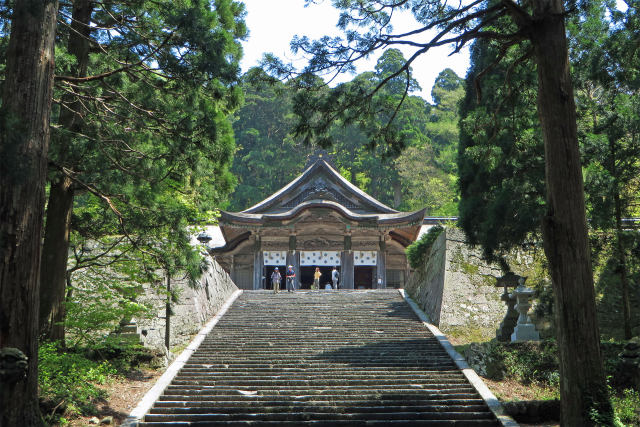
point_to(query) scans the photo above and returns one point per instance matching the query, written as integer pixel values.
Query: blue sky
(273, 23)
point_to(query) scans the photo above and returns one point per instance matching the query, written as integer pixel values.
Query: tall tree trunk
(24, 144)
(397, 193)
(621, 259)
(167, 320)
(56, 238)
(55, 250)
(582, 382)
(621, 256)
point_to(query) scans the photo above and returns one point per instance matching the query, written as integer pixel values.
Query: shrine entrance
(363, 276)
(324, 260)
(306, 276)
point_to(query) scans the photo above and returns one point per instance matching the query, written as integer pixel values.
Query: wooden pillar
(346, 265)
(381, 270)
(293, 258)
(232, 269)
(257, 263)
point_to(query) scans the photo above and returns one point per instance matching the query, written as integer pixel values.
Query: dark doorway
(306, 276)
(363, 276)
(268, 270)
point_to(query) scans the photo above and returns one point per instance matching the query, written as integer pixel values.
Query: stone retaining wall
(455, 287)
(195, 306)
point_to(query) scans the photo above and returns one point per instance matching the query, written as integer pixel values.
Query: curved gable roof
(317, 170)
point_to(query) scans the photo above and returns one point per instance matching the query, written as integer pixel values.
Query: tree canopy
(142, 143)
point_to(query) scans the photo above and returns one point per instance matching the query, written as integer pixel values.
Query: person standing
(316, 279)
(291, 279)
(276, 278)
(334, 277)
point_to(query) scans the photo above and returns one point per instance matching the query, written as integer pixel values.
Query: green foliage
(607, 281)
(532, 362)
(147, 147)
(418, 251)
(420, 172)
(72, 378)
(608, 102)
(501, 153)
(427, 167)
(536, 364)
(627, 407)
(267, 156)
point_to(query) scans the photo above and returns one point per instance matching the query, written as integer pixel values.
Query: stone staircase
(346, 358)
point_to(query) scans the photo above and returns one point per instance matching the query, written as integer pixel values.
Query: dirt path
(124, 394)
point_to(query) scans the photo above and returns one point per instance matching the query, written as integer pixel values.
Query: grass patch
(459, 336)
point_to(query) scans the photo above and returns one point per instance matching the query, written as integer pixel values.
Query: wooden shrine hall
(319, 220)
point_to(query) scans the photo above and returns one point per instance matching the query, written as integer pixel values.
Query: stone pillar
(524, 330)
(381, 268)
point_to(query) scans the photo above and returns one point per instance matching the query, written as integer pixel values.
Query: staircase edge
(490, 399)
(158, 388)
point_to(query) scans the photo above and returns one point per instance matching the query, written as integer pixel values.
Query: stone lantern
(525, 330)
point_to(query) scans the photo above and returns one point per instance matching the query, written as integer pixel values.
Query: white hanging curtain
(274, 257)
(364, 258)
(328, 258)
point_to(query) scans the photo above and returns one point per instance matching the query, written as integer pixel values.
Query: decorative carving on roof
(275, 245)
(359, 244)
(319, 243)
(319, 189)
(319, 154)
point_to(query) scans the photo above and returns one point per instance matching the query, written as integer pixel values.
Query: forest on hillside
(421, 173)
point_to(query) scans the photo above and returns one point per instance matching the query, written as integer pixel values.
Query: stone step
(320, 359)
(325, 366)
(319, 390)
(320, 416)
(227, 370)
(440, 396)
(319, 409)
(326, 423)
(305, 401)
(316, 382)
(273, 376)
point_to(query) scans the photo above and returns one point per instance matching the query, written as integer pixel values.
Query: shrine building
(319, 220)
